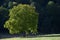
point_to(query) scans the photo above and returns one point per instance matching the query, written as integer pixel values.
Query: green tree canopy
(23, 18)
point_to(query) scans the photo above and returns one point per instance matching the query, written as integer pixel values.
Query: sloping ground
(50, 35)
(39, 37)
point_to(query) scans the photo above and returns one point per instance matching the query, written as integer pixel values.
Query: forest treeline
(49, 14)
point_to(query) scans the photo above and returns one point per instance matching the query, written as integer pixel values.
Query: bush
(23, 18)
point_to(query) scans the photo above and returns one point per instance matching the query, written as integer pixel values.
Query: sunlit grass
(38, 38)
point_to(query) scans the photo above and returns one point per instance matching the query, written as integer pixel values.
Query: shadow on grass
(2, 36)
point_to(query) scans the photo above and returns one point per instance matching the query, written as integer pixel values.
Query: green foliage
(23, 18)
(51, 3)
(11, 4)
(3, 10)
(3, 16)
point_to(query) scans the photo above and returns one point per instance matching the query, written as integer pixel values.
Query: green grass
(47, 37)
(38, 38)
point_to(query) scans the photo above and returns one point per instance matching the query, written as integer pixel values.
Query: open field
(38, 38)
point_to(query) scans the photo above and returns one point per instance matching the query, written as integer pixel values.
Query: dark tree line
(49, 15)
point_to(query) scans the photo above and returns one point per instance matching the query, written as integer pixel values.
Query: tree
(23, 1)
(3, 17)
(11, 4)
(54, 15)
(51, 3)
(23, 18)
(1, 2)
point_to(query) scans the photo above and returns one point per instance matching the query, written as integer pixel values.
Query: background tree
(49, 19)
(3, 17)
(23, 18)
(11, 4)
(23, 1)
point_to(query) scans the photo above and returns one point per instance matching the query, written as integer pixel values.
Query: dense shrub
(23, 18)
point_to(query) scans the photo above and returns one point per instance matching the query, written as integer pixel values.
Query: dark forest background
(49, 14)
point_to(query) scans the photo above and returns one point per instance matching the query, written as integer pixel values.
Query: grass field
(44, 37)
(38, 38)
